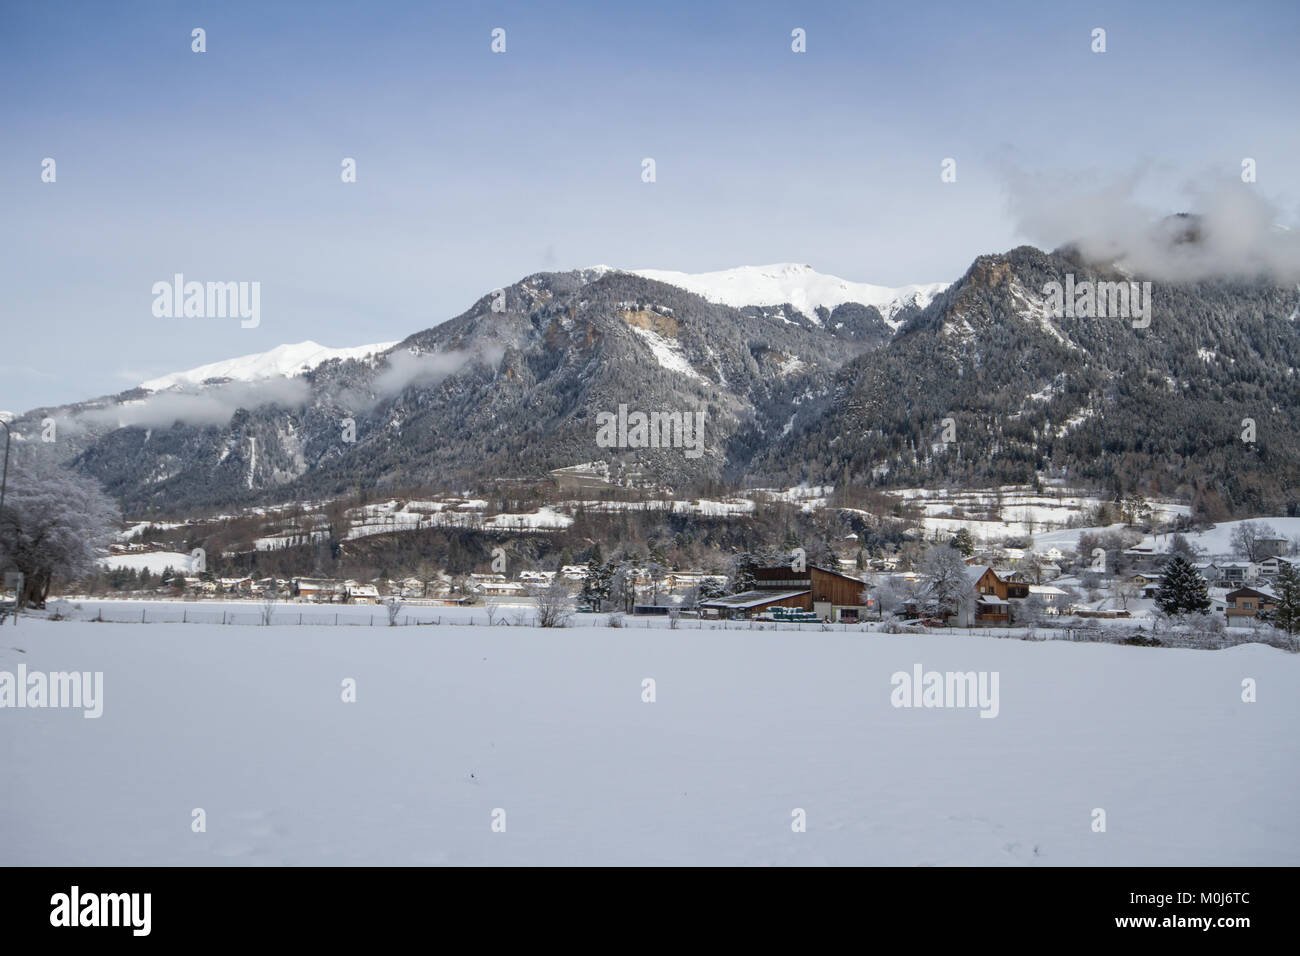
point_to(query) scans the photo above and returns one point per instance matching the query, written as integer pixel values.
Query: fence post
(184, 615)
(336, 618)
(300, 618)
(223, 616)
(142, 610)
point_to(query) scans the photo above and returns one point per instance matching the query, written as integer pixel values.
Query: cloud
(404, 369)
(213, 405)
(1240, 233)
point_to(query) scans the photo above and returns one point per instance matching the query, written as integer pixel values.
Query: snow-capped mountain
(515, 387)
(799, 285)
(282, 361)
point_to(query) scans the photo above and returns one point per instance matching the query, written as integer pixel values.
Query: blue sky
(475, 169)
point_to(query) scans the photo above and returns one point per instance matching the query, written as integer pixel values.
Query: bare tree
(1247, 539)
(394, 607)
(270, 598)
(554, 605)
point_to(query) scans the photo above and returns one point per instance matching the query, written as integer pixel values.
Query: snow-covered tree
(1287, 613)
(1182, 589)
(963, 542)
(710, 589)
(947, 578)
(598, 583)
(54, 525)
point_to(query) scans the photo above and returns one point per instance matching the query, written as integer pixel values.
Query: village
(994, 586)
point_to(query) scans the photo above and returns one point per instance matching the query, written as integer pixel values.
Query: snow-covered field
(452, 723)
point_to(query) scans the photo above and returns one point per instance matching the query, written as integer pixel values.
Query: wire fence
(297, 616)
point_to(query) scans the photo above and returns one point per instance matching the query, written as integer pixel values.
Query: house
(1272, 547)
(318, 590)
(1270, 566)
(1049, 570)
(1246, 602)
(1052, 597)
(992, 606)
(500, 588)
(362, 593)
(1237, 572)
(1218, 600)
(1208, 570)
(1016, 582)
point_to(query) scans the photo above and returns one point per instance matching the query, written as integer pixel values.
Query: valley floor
(456, 722)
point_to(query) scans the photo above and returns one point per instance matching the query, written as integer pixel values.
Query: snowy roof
(1044, 589)
(973, 574)
(751, 598)
(992, 599)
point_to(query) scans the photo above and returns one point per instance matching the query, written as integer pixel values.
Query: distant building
(362, 593)
(1271, 547)
(1246, 602)
(831, 595)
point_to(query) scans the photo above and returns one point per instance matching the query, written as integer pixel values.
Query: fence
(419, 617)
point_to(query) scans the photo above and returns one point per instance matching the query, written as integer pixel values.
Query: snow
(1217, 542)
(668, 354)
(281, 361)
(799, 285)
(453, 722)
(155, 561)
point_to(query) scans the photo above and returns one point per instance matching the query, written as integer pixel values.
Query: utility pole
(12, 578)
(4, 479)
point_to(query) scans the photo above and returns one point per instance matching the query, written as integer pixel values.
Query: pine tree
(1287, 613)
(963, 542)
(1182, 590)
(598, 582)
(742, 579)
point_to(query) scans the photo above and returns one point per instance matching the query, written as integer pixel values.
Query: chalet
(1016, 582)
(1246, 602)
(991, 606)
(831, 595)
